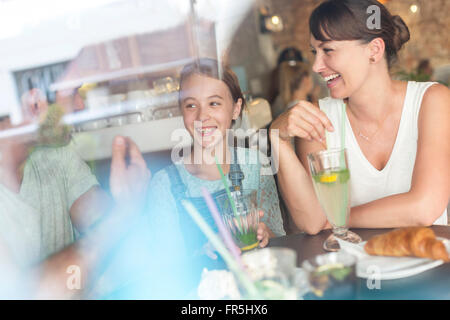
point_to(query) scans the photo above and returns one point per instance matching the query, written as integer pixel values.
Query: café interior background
(113, 51)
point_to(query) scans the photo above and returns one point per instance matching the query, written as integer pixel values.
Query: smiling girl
(210, 100)
(396, 133)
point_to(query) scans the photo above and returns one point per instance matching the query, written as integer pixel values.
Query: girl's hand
(304, 120)
(263, 233)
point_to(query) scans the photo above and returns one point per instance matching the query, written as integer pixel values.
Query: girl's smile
(208, 109)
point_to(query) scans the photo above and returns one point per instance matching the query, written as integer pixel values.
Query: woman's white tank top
(367, 182)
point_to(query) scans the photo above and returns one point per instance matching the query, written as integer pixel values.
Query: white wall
(59, 38)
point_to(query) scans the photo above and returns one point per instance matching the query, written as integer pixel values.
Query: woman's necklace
(368, 139)
(372, 136)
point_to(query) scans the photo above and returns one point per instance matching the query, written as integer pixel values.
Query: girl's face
(208, 109)
(344, 65)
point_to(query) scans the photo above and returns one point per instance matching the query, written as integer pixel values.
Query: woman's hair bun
(347, 20)
(401, 35)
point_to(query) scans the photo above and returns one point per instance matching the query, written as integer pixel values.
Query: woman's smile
(332, 79)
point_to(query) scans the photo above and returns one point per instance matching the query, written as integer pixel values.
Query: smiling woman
(399, 170)
(349, 22)
(344, 28)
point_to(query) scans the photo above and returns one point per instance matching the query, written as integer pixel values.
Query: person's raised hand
(303, 120)
(130, 176)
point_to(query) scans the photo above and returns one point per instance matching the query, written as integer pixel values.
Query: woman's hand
(304, 120)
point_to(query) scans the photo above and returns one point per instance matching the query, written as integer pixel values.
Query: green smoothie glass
(331, 180)
(242, 224)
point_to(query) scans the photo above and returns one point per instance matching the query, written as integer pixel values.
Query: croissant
(412, 241)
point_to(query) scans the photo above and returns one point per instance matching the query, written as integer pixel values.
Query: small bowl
(331, 276)
(273, 272)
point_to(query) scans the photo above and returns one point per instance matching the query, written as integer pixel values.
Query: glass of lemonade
(331, 180)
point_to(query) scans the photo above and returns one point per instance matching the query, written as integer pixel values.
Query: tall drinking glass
(331, 180)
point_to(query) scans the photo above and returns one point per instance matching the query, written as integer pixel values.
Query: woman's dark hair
(211, 68)
(348, 20)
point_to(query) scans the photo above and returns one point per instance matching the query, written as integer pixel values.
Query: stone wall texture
(429, 28)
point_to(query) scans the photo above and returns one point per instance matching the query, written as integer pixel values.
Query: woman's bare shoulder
(434, 113)
(436, 99)
(437, 91)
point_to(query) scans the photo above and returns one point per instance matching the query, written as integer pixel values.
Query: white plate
(389, 268)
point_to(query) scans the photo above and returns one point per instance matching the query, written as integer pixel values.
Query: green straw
(327, 139)
(343, 136)
(343, 127)
(221, 249)
(227, 189)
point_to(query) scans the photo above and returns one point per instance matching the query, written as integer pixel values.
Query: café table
(432, 284)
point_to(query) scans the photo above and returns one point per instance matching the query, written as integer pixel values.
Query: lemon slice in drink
(328, 177)
(327, 267)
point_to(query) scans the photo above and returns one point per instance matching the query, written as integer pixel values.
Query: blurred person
(395, 132)
(53, 179)
(78, 103)
(290, 55)
(21, 275)
(295, 84)
(73, 100)
(425, 69)
(34, 103)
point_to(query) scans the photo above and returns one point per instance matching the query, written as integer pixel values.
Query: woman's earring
(372, 59)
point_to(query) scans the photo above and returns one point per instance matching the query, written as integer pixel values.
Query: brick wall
(429, 28)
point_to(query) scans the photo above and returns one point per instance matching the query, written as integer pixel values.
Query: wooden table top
(431, 284)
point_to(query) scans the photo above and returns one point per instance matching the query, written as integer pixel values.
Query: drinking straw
(220, 225)
(343, 127)
(227, 189)
(327, 135)
(327, 139)
(220, 247)
(258, 195)
(342, 160)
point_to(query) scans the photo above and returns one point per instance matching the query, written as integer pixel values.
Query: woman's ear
(237, 109)
(376, 50)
